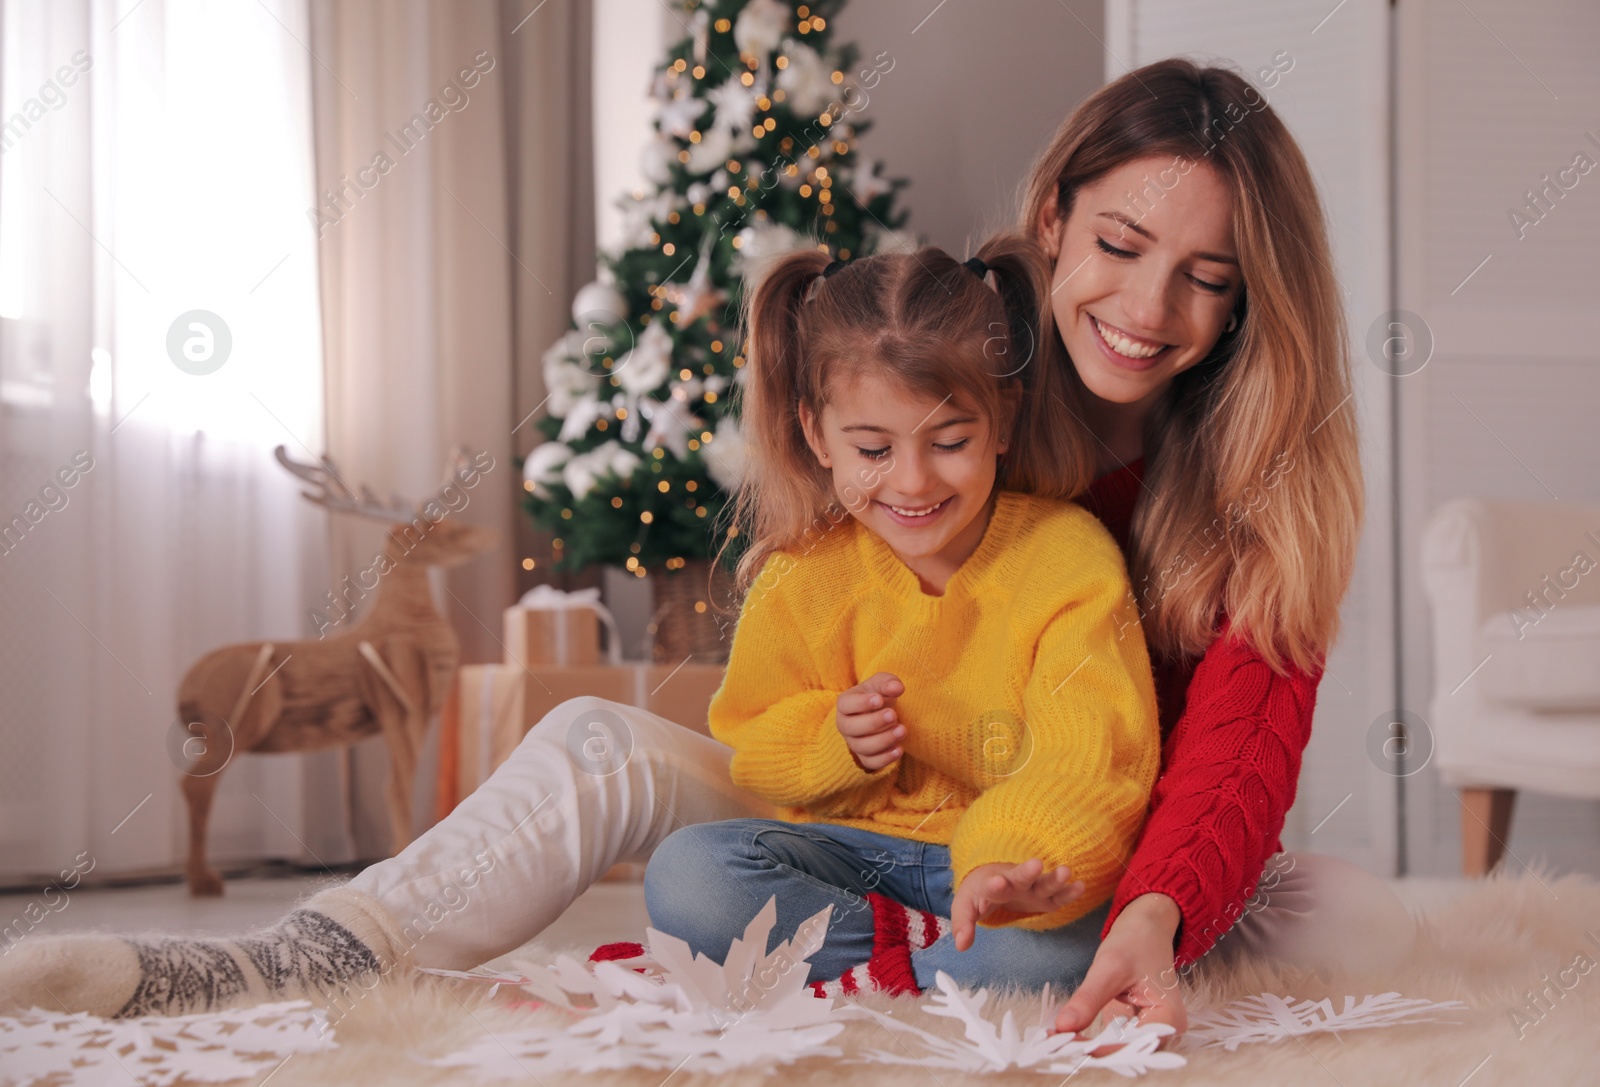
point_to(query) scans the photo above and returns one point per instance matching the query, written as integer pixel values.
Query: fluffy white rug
(1518, 951)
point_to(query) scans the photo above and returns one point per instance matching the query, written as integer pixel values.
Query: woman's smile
(1125, 349)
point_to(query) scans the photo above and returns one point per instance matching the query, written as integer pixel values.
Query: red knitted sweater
(1233, 731)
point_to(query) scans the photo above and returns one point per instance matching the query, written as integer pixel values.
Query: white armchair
(1515, 591)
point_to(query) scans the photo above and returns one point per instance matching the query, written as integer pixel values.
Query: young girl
(937, 676)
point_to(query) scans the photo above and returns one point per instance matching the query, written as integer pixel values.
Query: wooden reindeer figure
(384, 675)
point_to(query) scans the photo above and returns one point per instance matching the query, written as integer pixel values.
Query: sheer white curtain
(157, 161)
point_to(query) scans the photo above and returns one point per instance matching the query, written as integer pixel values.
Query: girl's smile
(916, 516)
(916, 470)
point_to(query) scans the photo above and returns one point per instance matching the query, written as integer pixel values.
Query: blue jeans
(705, 882)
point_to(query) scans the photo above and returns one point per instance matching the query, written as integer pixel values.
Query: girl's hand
(868, 722)
(1025, 888)
(1132, 973)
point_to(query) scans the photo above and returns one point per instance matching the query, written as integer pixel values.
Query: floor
(608, 911)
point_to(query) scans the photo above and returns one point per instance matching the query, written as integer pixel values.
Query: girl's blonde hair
(929, 323)
(1253, 495)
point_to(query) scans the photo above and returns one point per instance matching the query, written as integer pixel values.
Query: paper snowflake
(991, 1047)
(158, 1051)
(686, 1011)
(1269, 1018)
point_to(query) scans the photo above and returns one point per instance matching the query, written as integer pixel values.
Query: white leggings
(596, 783)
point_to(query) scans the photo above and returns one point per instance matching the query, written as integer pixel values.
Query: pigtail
(768, 397)
(1050, 453)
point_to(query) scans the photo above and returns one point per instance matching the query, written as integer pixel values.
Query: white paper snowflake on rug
(686, 1011)
(1269, 1018)
(671, 1010)
(216, 1047)
(991, 1047)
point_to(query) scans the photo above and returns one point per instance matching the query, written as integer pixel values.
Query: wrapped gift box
(499, 703)
(548, 626)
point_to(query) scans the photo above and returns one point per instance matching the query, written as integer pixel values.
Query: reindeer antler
(459, 459)
(332, 492)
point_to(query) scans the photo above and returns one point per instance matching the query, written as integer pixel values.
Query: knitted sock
(614, 952)
(337, 937)
(897, 931)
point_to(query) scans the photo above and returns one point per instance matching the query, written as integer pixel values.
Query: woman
(1199, 323)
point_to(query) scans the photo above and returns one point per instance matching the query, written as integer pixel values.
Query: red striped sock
(897, 931)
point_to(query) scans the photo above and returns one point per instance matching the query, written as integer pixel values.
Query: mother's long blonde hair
(1253, 489)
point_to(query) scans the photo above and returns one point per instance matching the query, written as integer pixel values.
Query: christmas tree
(753, 156)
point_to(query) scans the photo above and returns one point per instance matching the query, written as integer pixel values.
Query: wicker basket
(693, 613)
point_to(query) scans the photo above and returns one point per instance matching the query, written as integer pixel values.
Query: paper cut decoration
(687, 1012)
(989, 1047)
(1269, 1018)
(158, 1051)
(494, 977)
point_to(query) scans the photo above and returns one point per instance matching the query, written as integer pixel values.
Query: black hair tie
(978, 266)
(833, 266)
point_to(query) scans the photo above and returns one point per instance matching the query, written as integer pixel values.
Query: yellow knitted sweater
(1029, 707)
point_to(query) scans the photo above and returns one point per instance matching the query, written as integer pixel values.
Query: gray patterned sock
(336, 938)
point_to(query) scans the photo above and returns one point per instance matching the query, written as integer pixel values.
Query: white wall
(1492, 101)
(630, 38)
(976, 91)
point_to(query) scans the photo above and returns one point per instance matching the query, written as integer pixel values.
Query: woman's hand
(1132, 974)
(1024, 888)
(867, 720)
